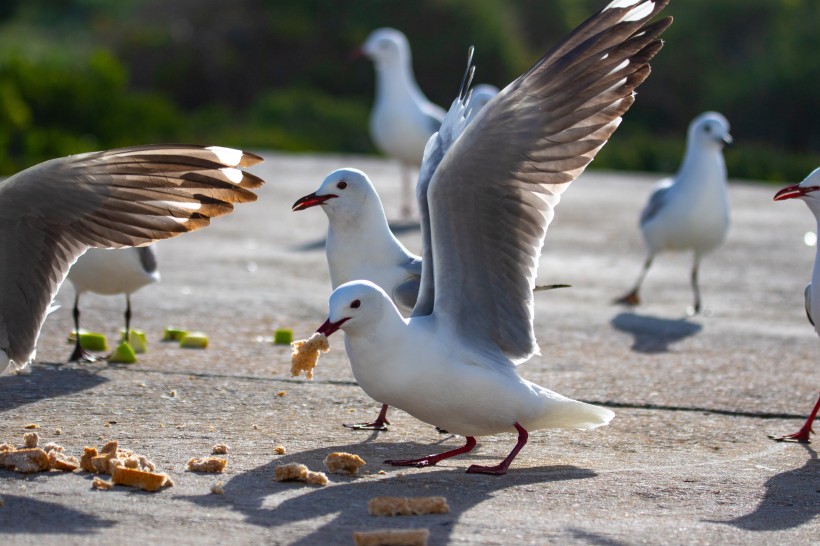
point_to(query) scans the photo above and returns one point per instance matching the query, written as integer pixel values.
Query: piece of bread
(407, 506)
(85, 461)
(306, 354)
(220, 449)
(216, 489)
(101, 484)
(24, 460)
(340, 462)
(391, 537)
(207, 464)
(279, 450)
(7, 447)
(147, 481)
(53, 446)
(31, 439)
(299, 472)
(57, 460)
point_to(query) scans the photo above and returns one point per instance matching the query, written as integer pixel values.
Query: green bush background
(78, 75)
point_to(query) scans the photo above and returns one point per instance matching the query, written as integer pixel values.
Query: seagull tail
(562, 412)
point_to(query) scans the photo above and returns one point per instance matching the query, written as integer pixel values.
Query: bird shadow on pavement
(45, 381)
(328, 513)
(790, 500)
(37, 517)
(653, 334)
(398, 228)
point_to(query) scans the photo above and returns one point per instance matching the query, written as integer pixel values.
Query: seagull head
(355, 306)
(387, 47)
(710, 129)
(806, 190)
(342, 190)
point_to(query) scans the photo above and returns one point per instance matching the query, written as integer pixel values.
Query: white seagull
(806, 191)
(691, 210)
(109, 272)
(52, 212)
(402, 119)
(486, 212)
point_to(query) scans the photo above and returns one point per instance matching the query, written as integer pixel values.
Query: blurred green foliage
(77, 75)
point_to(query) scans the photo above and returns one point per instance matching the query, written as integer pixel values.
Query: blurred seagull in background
(402, 119)
(806, 190)
(485, 213)
(109, 272)
(691, 210)
(54, 211)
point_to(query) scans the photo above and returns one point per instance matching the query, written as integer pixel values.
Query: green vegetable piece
(283, 336)
(194, 340)
(93, 341)
(137, 340)
(173, 334)
(123, 354)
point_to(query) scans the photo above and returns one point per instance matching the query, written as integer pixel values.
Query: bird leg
(501, 468)
(379, 424)
(79, 354)
(632, 297)
(802, 435)
(431, 460)
(695, 287)
(128, 318)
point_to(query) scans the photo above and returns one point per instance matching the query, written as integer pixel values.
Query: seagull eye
(341, 185)
(708, 128)
(356, 304)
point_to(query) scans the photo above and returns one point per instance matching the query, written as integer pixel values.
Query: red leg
(802, 435)
(501, 468)
(379, 424)
(430, 460)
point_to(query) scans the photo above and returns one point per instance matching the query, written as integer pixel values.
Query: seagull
(691, 210)
(402, 119)
(485, 214)
(110, 272)
(52, 212)
(806, 191)
(359, 242)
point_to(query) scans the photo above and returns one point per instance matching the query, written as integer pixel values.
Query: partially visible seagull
(691, 210)
(806, 191)
(53, 212)
(110, 272)
(402, 119)
(486, 212)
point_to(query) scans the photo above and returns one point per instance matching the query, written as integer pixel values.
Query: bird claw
(802, 436)
(632, 299)
(497, 470)
(80, 355)
(375, 425)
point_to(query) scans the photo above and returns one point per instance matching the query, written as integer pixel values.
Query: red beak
(311, 201)
(794, 191)
(328, 327)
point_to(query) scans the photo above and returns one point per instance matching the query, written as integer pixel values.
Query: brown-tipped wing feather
(492, 197)
(50, 214)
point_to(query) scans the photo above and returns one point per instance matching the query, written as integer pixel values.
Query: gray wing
(51, 213)
(656, 201)
(492, 196)
(807, 300)
(406, 293)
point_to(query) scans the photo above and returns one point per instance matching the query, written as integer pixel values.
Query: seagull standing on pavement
(53, 212)
(110, 272)
(691, 210)
(485, 214)
(402, 119)
(806, 191)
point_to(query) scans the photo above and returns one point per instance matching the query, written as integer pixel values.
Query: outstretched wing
(51, 213)
(492, 196)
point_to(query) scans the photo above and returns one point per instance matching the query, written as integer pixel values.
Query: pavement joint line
(693, 409)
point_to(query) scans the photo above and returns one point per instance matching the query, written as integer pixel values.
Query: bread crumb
(32, 426)
(51, 446)
(31, 439)
(100, 484)
(58, 431)
(255, 427)
(7, 447)
(85, 461)
(57, 460)
(147, 481)
(281, 393)
(172, 394)
(299, 472)
(279, 450)
(207, 464)
(217, 489)
(407, 506)
(24, 460)
(339, 462)
(391, 537)
(306, 354)
(220, 449)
